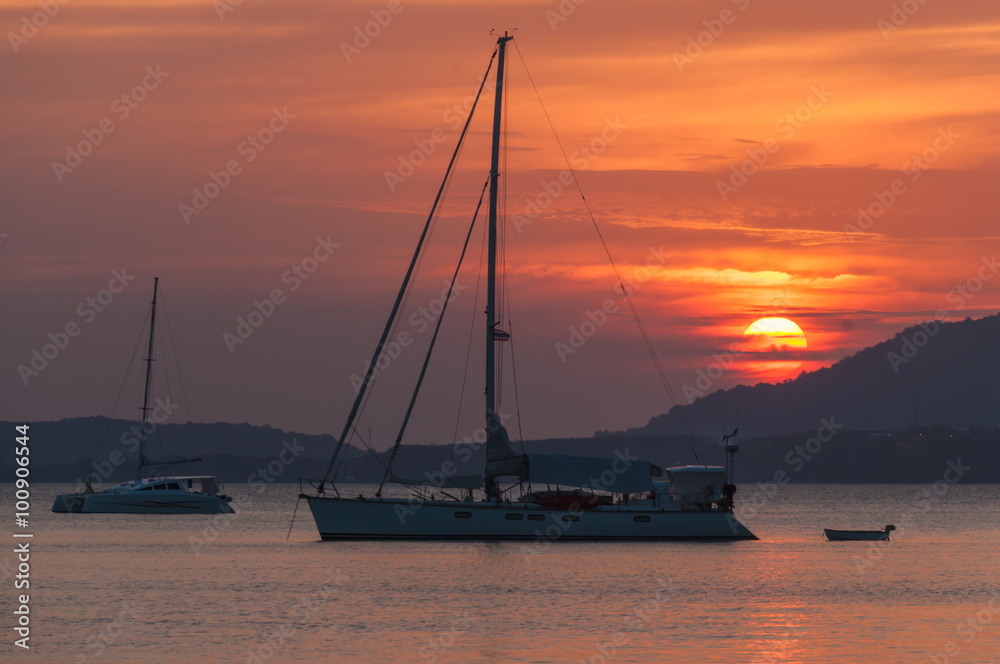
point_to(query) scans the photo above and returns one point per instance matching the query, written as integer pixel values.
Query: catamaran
(615, 498)
(188, 494)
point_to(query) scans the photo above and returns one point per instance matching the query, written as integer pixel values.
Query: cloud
(779, 244)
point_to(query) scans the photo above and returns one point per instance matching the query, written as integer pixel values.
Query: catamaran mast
(149, 373)
(492, 319)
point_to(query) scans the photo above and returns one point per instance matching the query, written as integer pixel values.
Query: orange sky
(835, 107)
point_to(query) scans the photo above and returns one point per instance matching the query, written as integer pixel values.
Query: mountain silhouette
(929, 374)
(899, 411)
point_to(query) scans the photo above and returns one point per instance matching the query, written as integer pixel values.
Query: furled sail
(501, 459)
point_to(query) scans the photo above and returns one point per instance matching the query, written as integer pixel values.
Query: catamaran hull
(153, 502)
(345, 519)
(69, 503)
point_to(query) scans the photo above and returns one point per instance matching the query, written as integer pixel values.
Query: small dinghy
(858, 535)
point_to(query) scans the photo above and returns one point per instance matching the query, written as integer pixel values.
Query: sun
(779, 332)
(773, 348)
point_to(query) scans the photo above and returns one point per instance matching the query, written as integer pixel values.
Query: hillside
(902, 409)
(947, 379)
(247, 454)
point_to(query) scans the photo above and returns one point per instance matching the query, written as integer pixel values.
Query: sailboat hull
(346, 519)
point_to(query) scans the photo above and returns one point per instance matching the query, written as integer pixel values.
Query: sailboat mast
(491, 273)
(149, 373)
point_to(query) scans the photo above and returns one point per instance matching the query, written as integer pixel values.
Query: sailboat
(153, 494)
(615, 498)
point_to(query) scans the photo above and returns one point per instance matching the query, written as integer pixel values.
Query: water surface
(230, 588)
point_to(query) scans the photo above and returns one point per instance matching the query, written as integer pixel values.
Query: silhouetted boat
(150, 495)
(858, 535)
(161, 495)
(639, 501)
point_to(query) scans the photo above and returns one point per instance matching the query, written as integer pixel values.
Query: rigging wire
(503, 297)
(430, 349)
(505, 290)
(472, 329)
(180, 378)
(294, 512)
(419, 258)
(502, 244)
(367, 443)
(446, 187)
(166, 378)
(513, 369)
(121, 389)
(392, 335)
(628, 299)
(390, 324)
(505, 306)
(432, 221)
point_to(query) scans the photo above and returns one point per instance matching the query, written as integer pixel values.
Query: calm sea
(116, 588)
